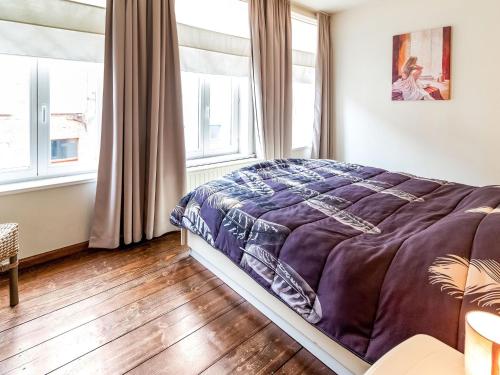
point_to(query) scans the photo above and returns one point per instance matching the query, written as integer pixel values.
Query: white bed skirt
(339, 359)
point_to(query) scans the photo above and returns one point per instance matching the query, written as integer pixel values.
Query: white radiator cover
(197, 176)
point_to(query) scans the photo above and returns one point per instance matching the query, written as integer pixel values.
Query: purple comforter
(369, 257)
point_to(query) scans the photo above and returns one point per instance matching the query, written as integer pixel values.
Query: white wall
(50, 219)
(458, 140)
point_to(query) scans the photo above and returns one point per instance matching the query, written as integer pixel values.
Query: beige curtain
(323, 140)
(271, 76)
(142, 162)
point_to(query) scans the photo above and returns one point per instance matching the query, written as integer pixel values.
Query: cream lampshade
(482, 344)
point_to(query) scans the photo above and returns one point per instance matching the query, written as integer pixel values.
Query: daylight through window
(49, 116)
(214, 52)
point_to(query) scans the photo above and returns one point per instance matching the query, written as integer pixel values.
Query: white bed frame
(339, 359)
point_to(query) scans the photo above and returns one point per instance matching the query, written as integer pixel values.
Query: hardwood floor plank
(205, 346)
(47, 303)
(47, 278)
(129, 351)
(304, 363)
(263, 353)
(25, 336)
(76, 261)
(98, 332)
(149, 308)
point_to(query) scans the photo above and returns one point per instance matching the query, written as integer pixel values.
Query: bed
(350, 260)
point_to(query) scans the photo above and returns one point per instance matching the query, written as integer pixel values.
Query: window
(214, 111)
(51, 88)
(214, 53)
(49, 117)
(75, 90)
(304, 41)
(16, 138)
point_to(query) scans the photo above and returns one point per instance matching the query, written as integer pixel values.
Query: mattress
(369, 257)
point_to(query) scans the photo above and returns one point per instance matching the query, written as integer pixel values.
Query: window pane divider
(43, 119)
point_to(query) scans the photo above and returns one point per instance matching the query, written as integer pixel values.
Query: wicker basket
(9, 248)
(9, 242)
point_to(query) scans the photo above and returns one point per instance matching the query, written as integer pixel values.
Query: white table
(420, 355)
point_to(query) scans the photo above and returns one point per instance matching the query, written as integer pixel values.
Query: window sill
(219, 161)
(46, 183)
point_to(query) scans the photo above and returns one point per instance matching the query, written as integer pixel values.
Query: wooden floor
(146, 309)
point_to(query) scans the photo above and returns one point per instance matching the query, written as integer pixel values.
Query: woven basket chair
(9, 248)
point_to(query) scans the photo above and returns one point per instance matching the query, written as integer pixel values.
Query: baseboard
(74, 249)
(53, 255)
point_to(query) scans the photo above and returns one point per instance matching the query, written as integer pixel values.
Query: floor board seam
(289, 359)
(90, 321)
(93, 295)
(110, 253)
(115, 255)
(241, 301)
(146, 308)
(245, 340)
(151, 320)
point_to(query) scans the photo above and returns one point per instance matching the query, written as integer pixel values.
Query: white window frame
(204, 122)
(40, 167)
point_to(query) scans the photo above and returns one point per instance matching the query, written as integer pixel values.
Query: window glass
(15, 132)
(304, 42)
(50, 115)
(63, 150)
(75, 97)
(191, 106)
(220, 111)
(304, 36)
(212, 118)
(303, 114)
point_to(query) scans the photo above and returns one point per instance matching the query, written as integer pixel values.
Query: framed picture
(421, 65)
